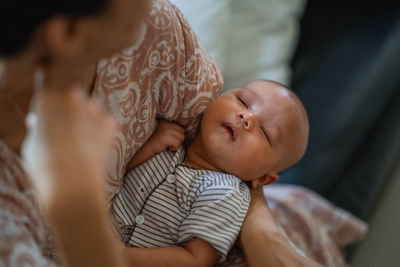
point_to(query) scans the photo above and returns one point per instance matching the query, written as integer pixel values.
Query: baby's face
(251, 131)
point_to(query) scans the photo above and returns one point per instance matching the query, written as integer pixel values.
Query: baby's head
(255, 131)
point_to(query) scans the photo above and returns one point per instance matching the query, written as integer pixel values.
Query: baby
(185, 206)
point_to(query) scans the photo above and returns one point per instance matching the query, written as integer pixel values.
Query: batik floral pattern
(167, 74)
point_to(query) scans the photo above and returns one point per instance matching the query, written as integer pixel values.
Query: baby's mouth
(231, 130)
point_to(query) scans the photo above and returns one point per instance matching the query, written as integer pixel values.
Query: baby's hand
(167, 135)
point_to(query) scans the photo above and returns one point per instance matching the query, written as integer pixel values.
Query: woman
(45, 53)
(62, 41)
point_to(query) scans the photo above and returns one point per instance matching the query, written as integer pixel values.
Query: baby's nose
(247, 120)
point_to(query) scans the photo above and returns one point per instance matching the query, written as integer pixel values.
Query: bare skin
(262, 241)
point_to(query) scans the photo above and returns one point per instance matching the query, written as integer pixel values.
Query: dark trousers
(347, 73)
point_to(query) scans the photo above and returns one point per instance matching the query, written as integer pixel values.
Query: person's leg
(347, 90)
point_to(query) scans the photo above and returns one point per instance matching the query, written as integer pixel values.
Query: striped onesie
(163, 202)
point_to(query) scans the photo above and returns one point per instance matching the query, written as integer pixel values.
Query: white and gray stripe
(164, 202)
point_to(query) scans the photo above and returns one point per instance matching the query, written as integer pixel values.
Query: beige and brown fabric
(167, 74)
(23, 235)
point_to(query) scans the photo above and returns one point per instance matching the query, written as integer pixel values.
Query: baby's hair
(278, 83)
(297, 101)
(292, 95)
(291, 92)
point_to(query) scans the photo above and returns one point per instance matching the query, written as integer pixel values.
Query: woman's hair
(19, 19)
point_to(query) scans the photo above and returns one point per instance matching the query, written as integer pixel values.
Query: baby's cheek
(254, 162)
(241, 166)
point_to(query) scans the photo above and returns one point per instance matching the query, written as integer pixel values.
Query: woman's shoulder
(166, 74)
(167, 62)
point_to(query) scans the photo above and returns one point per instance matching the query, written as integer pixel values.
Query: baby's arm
(195, 253)
(167, 135)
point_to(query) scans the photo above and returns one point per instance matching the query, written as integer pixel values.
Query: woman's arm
(263, 243)
(65, 152)
(196, 253)
(79, 220)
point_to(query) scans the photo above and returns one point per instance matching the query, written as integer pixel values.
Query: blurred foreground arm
(65, 153)
(196, 253)
(263, 243)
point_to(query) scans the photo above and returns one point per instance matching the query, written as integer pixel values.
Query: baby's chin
(245, 179)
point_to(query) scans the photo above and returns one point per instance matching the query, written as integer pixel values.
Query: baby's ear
(267, 179)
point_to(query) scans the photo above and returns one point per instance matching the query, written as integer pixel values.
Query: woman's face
(117, 27)
(95, 37)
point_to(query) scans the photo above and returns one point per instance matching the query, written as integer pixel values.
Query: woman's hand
(259, 216)
(67, 144)
(262, 241)
(65, 153)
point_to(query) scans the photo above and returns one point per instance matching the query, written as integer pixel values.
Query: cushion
(248, 39)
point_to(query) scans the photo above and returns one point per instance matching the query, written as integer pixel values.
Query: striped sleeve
(217, 216)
